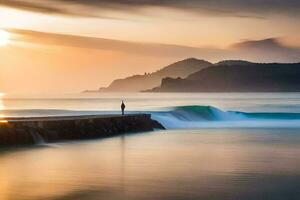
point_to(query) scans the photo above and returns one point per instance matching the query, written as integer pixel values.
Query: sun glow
(4, 37)
(1, 107)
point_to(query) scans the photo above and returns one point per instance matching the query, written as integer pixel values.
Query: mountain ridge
(270, 50)
(137, 83)
(251, 77)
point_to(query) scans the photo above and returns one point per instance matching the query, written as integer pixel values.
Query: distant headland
(237, 76)
(196, 75)
(137, 83)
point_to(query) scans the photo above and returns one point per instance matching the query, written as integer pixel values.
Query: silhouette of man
(123, 107)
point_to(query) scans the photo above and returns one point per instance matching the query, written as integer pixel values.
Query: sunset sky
(72, 45)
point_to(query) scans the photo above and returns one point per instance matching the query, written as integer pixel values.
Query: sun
(4, 37)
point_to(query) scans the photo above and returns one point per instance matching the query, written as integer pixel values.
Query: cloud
(32, 6)
(137, 48)
(236, 8)
(268, 50)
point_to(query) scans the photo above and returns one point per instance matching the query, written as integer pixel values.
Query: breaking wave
(186, 117)
(211, 117)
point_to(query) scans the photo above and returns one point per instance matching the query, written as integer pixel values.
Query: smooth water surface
(194, 164)
(228, 146)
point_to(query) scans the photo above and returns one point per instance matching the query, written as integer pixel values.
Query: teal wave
(211, 113)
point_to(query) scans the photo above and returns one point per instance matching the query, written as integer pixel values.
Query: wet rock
(32, 130)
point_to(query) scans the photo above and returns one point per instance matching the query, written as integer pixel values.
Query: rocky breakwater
(28, 131)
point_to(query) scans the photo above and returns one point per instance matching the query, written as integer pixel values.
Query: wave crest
(212, 117)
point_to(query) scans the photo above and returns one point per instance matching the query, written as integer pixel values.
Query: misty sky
(72, 45)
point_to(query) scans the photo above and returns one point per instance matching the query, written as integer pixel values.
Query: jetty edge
(29, 131)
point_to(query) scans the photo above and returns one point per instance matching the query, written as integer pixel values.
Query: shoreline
(35, 130)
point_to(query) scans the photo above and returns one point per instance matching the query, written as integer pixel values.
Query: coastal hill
(237, 76)
(138, 83)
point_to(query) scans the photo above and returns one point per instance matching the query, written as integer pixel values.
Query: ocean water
(217, 146)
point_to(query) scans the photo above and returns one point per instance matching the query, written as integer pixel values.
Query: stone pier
(27, 131)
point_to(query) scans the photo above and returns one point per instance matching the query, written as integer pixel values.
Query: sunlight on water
(166, 165)
(1, 105)
(251, 160)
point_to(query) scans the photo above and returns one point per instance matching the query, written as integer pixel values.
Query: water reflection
(1, 106)
(202, 164)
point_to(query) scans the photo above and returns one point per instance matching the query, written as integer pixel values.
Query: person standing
(123, 107)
